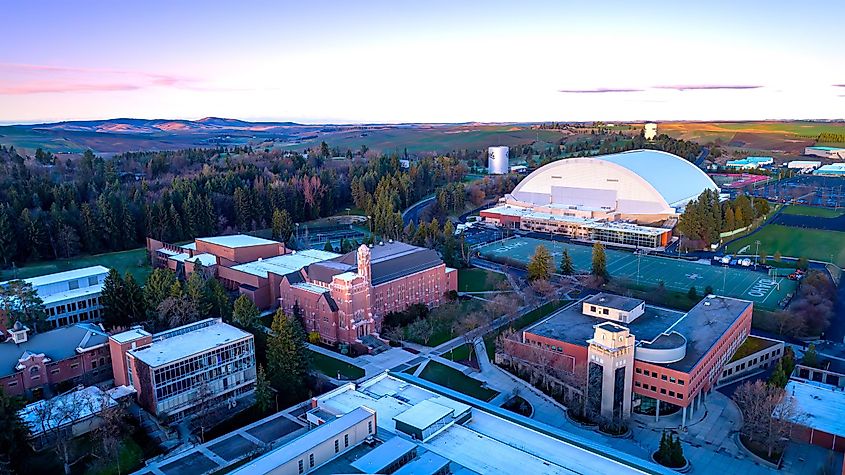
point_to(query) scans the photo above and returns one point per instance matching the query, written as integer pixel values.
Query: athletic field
(676, 274)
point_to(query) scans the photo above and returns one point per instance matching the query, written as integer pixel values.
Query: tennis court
(676, 274)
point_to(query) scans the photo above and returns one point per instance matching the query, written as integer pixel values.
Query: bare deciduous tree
(768, 413)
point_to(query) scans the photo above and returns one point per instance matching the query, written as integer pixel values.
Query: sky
(427, 61)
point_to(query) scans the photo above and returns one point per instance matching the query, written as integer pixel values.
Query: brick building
(34, 365)
(342, 297)
(640, 354)
(168, 369)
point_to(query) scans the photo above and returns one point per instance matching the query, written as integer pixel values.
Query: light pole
(757, 256)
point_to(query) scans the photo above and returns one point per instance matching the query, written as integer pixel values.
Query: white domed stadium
(615, 192)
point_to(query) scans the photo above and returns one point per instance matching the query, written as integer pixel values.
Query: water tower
(497, 161)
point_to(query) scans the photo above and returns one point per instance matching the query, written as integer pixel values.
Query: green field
(676, 274)
(813, 211)
(478, 280)
(332, 366)
(134, 261)
(814, 244)
(443, 375)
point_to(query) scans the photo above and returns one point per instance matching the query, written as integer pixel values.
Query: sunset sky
(434, 61)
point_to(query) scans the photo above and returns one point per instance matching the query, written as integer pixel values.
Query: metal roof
(58, 344)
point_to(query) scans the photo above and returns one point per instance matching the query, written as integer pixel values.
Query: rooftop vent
(260, 259)
(706, 304)
(381, 243)
(390, 240)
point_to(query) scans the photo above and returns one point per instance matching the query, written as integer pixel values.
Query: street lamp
(757, 257)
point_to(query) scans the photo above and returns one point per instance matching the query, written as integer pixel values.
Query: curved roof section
(661, 176)
(672, 176)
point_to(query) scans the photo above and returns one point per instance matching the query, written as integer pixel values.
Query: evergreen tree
(540, 266)
(158, 287)
(115, 301)
(245, 313)
(692, 293)
(328, 247)
(777, 256)
(136, 305)
(218, 298)
(195, 289)
(599, 265)
(811, 357)
(763, 257)
(13, 437)
(176, 291)
(19, 302)
(263, 391)
(677, 454)
(8, 243)
(287, 359)
(566, 267)
(297, 314)
(276, 227)
(779, 377)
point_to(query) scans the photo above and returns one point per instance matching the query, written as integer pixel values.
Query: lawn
(332, 366)
(813, 211)
(813, 244)
(131, 456)
(751, 345)
(134, 261)
(453, 379)
(478, 280)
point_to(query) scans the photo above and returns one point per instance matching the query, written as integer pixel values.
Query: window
(346, 440)
(73, 284)
(592, 308)
(93, 364)
(605, 311)
(370, 427)
(681, 382)
(311, 460)
(336, 446)
(654, 388)
(74, 365)
(672, 393)
(92, 280)
(637, 384)
(662, 390)
(638, 370)
(12, 384)
(680, 396)
(301, 467)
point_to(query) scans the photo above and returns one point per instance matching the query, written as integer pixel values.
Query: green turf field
(478, 280)
(814, 244)
(134, 261)
(676, 274)
(813, 211)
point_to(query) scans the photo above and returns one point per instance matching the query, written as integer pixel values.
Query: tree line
(706, 217)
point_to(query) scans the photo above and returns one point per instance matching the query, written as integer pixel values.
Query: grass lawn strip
(134, 261)
(331, 366)
(443, 375)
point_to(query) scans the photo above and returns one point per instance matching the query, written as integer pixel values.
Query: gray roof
(324, 271)
(58, 344)
(618, 302)
(390, 261)
(702, 327)
(426, 464)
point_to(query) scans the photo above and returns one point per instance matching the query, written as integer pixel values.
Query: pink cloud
(708, 87)
(21, 79)
(60, 87)
(600, 90)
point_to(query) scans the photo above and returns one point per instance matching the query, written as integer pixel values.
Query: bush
(358, 349)
(670, 453)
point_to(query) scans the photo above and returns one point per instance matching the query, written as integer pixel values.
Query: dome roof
(645, 180)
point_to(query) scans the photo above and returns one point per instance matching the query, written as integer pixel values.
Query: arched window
(33, 371)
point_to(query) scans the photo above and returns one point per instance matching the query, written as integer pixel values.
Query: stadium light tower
(757, 256)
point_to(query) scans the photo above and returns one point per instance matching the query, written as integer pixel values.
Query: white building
(497, 160)
(833, 153)
(804, 166)
(650, 131)
(72, 296)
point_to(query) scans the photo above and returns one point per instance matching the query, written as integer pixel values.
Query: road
(705, 151)
(413, 212)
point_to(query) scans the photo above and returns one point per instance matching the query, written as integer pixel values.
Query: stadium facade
(607, 198)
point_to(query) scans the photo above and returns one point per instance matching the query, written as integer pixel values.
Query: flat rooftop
(702, 326)
(486, 443)
(182, 346)
(819, 406)
(129, 335)
(65, 276)
(306, 442)
(237, 240)
(286, 263)
(424, 414)
(614, 301)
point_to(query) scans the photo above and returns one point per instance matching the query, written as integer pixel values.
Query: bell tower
(364, 268)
